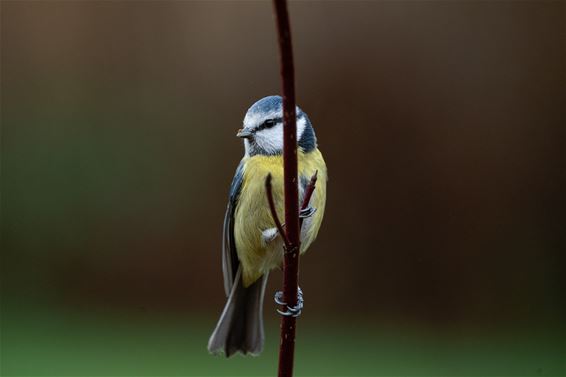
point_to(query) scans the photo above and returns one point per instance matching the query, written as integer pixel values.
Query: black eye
(269, 123)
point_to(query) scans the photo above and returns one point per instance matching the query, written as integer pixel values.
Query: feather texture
(253, 216)
(240, 328)
(247, 257)
(229, 256)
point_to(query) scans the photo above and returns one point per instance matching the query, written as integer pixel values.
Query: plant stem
(292, 231)
(269, 192)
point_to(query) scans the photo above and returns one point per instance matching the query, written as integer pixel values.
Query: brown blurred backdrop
(442, 124)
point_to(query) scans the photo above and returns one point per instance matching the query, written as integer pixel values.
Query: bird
(251, 245)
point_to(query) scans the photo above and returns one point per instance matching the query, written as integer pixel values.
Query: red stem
(306, 199)
(291, 259)
(308, 193)
(269, 192)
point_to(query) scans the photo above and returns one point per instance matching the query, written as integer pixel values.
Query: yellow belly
(252, 214)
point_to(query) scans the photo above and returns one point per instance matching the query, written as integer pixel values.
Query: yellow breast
(253, 216)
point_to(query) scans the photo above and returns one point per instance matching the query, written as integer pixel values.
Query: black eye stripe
(269, 123)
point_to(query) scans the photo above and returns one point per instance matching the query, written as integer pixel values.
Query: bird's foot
(290, 311)
(307, 212)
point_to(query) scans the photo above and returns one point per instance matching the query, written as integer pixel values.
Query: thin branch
(269, 192)
(306, 199)
(308, 193)
(292, 229)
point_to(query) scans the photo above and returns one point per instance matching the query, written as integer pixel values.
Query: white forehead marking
(254, 119)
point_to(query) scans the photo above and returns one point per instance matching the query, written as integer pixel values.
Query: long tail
(240, 327)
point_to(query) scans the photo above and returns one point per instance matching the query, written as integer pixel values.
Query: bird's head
(263, 128)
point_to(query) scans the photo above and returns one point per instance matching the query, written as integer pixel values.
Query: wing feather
(230, 260)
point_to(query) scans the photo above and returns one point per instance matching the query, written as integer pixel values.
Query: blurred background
(442, 123)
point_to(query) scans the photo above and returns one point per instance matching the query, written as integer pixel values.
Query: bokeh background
(443, 126)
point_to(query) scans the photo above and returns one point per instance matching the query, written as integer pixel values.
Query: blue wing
(230, 260)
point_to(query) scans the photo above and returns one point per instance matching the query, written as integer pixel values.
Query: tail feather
(240, 327)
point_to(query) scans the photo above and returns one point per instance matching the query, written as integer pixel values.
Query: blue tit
(251, 244)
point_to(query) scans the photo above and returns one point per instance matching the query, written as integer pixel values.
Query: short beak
(244, 134)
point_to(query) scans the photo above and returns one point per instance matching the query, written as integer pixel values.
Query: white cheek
(271, 140)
